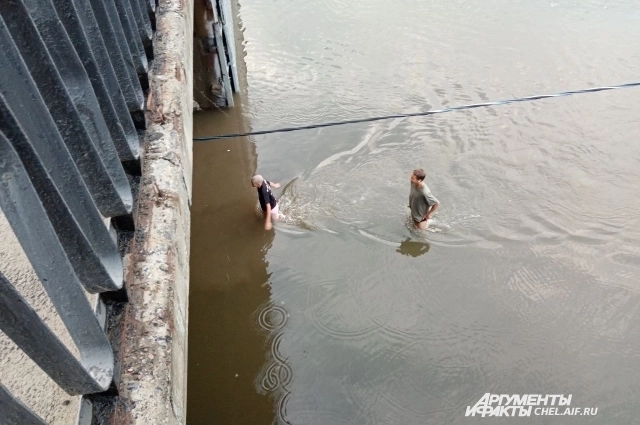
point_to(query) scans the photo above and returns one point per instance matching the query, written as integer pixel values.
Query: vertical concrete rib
(29, 332)
(73, 105)
(88, 43)
(55, 63)
(14, 412)
(118, 51)
(26, 210)
(135, 66)
(27, 123)
(150, 5)
(128, 22)
(144, 26)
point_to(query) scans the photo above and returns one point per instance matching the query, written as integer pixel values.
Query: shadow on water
(229, 282)
(413, 248)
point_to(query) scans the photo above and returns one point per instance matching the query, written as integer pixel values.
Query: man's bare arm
(431, 210)
(267, 221)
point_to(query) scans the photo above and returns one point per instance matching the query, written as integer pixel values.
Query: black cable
(419, 114)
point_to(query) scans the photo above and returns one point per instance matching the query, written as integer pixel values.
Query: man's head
(417, 176)
(257, 180)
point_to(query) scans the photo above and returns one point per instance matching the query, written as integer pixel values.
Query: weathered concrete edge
(153, 343)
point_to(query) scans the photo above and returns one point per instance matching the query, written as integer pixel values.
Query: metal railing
(72, 74)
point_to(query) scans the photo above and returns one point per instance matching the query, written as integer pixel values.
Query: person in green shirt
(421, 201)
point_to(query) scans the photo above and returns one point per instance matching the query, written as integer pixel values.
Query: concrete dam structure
(96, 101)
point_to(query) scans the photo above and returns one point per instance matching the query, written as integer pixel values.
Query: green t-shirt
(420, 199)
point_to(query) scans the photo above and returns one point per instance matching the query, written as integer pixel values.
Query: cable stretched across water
(419, 114)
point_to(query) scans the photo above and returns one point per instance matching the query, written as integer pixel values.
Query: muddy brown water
(527, 281)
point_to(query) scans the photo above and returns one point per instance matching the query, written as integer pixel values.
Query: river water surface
(527, 281)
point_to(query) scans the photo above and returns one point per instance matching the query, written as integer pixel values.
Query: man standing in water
(268, 202)
(422, 203)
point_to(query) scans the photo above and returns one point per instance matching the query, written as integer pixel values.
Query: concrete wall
(152, 345)
(209, 85)
(206, 87)
(151, 342)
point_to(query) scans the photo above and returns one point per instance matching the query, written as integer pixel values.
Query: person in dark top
(268, 202)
